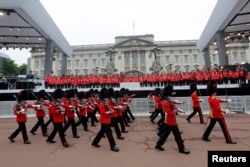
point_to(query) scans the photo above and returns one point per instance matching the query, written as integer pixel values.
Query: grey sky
(99, 21)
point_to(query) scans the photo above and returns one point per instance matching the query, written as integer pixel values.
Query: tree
(9, 67)
(22, 69)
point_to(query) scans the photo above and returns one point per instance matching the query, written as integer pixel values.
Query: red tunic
(195, 99)
(21, 116)
(105, 117)
(170, 113)
(215, 107)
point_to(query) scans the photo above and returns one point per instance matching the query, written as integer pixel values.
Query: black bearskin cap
(81, 95)
(91, 91)
(111, 92)
(126, 91)
(71, 93)
(41, 94)
(211, 88)
(117, 94)
(88, 94)
(122, 91)
(96, 91)
(23, 95)
(157, 91)
(167, 90)
(58, 93)
(103, 93)
(193, 87)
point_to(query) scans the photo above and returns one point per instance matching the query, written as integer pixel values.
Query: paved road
(137, 150)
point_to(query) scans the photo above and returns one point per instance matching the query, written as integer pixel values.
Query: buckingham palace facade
(137, 54)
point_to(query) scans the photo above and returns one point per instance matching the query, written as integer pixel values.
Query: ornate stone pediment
(134, 42)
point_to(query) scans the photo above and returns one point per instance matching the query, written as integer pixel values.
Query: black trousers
(114, 123)
(21, 128)
(40, 123)
(130, 113)
(92, 118)
(83, 121)
(222, 125)
(49, 121)
(105, 129)
(156, 113)
(177, 136)
(58, 127)
(195, 110)
(120, 121)
(71, 121)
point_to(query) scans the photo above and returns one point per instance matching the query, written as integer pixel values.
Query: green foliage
(22, 69)
(9, 67)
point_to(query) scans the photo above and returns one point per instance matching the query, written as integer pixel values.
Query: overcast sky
(99, 21)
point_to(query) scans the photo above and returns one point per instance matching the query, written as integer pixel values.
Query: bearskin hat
(96, 91)
(111, 92)
(58, 93)
(81, 95)
(211, 88)
(91, 91)
(103, 93)
(41, 94)
(70, 93)
(122, 91)
(157, 91)
(87, 94)
(193, 87)
(167, 90)
(117, 94)
(126, 91)
(23, 95)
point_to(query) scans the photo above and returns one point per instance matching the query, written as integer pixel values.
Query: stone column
(222, 50)
(207, 58)
(64, 64)
(48, 57)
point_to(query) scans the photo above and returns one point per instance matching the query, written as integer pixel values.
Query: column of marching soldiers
(64, 106)
(114, 111)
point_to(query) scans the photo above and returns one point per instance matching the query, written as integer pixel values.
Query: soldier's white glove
(227, 111)
(201, 100)
(22, 111)
(229, 100)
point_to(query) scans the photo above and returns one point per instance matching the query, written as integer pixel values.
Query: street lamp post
(110, 53)
(155, 51)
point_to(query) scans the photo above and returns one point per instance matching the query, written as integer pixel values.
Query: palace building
(138, 54)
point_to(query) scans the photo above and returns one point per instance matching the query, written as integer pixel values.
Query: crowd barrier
(144, 106)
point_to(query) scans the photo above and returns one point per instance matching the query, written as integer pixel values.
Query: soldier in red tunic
(71, 109)
(82, 111)
(195, 103)
(105, 119)
(171, 123)
(58, 111)
(40, 113)
(20, 110)
(216, 114)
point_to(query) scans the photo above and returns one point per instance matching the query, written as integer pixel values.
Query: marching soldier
(82, 111)
(58, 110)
(40, 113)
(20, 110)
(158, 107)
(114, 118)
(171, 123)
(71, 109)
(105, 120)
(216, 114)
(195, 103)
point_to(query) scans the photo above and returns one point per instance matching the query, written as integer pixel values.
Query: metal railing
(143, 106)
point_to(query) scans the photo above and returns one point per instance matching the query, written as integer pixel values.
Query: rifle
(20, 105)
(57, 103)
